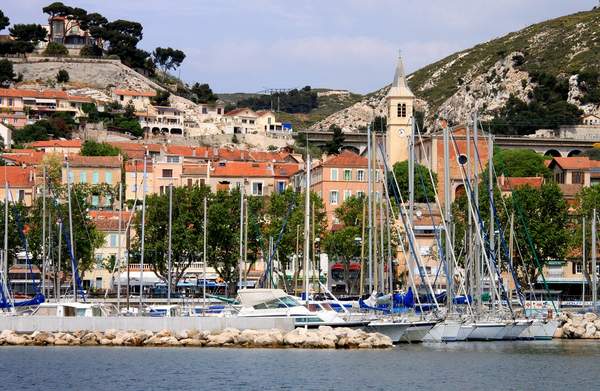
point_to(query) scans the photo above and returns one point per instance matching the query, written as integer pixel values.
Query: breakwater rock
(324, 337)
(578, 326)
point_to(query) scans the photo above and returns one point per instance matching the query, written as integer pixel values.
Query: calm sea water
(461, 366)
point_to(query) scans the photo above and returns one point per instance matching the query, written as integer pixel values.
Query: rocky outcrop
(322, 338)
(577, 326)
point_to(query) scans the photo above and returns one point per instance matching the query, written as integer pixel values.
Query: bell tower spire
(400, 102)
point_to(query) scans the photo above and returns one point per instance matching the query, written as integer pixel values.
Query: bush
(62, 76)
(93, 148)
(56, 49)
(90, 51)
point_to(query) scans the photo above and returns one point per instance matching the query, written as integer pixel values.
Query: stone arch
(164, 130)
(155, 130)
(575, 152)
(459, 191)
(177, 131)
(553, 153)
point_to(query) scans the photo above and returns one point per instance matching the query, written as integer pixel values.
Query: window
(107, 201)
(70, 177)
(108, 177)
(244, 121)
(204, 110)
(167, 173)
(334, 174)
(360, 175)
(95, 178)
(10, 101)
(347, 174)
(560, 177)
(360, 194)
(257, 188)
(347, 194)
(21, 195)
(95, 200)
(251, 121)
(577, 178)
(113, 240)
(578, 268)
(83, 177)
(134, 188)
(333, 197)
(172, 159)
(190, 182)
(219, 110)
(401, 110)
(280, 186)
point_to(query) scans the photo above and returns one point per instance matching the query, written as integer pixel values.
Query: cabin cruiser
(275, 303)
(74, 309)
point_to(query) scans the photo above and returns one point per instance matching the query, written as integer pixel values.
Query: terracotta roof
(108, 216)
(135, 93)
(233, 154)
(16, 176)
(94, 161)
(24, 158)
(286, 170)
(109, 224)
(236, 169)
(185, 151)
(138, 166)
(572, 163)
(194, 169)
(46, 94)
(260, 113)
(237, 111)
(269, 156)
(346, 159)
(12, 115)
(57, 144)
(511, 183)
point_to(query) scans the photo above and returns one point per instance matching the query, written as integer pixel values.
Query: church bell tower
(400, 103)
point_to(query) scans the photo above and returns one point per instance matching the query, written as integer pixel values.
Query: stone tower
(400, 103)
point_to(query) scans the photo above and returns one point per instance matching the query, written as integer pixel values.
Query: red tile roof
(269, 156)
(57, 144)
(572, 163)
(512, 183)
(346, 159)
(94, 161)
(194, 169)
(16, 176)
(46, 94)
(193, 152)
(28, 158)
(135, 93)
(110, 215)
(286, 170)
(238, 111)
(138, 166)
(235, 169)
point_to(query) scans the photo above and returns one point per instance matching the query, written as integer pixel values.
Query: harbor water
(547, 365)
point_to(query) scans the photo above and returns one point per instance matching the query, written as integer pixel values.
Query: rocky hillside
(483, 78)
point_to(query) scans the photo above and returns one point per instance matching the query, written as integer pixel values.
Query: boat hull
(516, 329)
(393, 330)
(447, 331)
(417, 331)
(488, 331)
(540, 330)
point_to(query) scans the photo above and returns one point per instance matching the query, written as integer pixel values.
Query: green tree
(350, 212)
(161, 98)
(424, 189)
(203, 93)
(520, 163)
(86, 237)
(4, 21)
(334, 146)
(168, 58)
(56, 49)
(62, 76)
(379, 124)
(28, 33)
(91, 111)
(541, 222)
(7, 74)
(93, 148)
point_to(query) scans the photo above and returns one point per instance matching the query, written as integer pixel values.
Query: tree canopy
(520, 163)
(334, 146)
(28, 33)
(293, 101)
(93, 148)
(4, 21)
(202, 93)
(424, 189)
(7, 73)
(168, 58)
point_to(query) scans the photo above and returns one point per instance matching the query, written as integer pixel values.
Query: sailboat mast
(374, 181)
(492, 227)
(411, 184)
(476, 252)
(583, 262)
(44, 231)
(469, 261)
(72, 244)
(307, 228)
(204, 229)
(241, 259)
(144, 182)
(5, 260)
(594, 272)
(447, 217)
(370, 208)
(170, 252)
(119, 247)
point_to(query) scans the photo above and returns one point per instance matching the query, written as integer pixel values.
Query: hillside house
(141, 100)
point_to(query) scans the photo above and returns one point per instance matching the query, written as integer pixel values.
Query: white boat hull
(516, 329)
(465, 332)
(488, 331)
(446, 331)
(393, 330)
(417, 331)
(540, 330)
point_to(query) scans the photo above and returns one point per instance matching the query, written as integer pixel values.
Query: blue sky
(250, 45)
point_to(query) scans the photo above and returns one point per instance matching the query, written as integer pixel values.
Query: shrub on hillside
(62, 76)
(56, 49)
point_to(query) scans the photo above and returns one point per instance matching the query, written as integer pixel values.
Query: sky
(253, 45)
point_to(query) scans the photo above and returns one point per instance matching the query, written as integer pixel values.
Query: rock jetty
(324, 337)
(578, 326)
